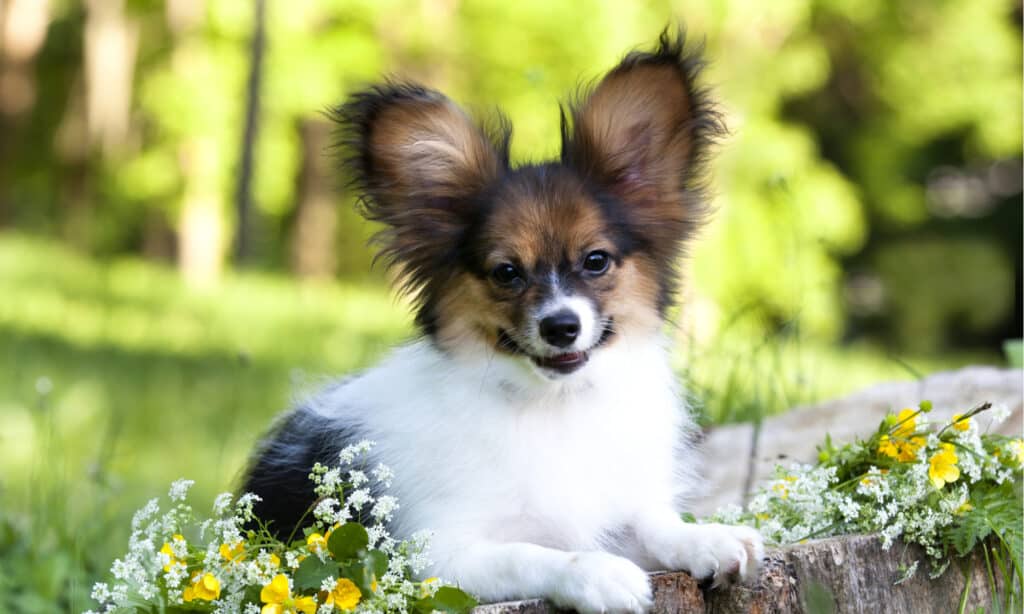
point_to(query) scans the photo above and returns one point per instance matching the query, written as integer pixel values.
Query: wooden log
(851, 574)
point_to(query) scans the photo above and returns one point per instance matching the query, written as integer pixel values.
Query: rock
(851, 574)
(793, 436)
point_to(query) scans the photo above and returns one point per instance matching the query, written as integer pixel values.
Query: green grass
(115, 379)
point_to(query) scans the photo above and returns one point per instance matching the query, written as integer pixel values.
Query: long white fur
(566, 488)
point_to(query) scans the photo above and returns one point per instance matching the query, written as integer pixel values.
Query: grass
(115, 379)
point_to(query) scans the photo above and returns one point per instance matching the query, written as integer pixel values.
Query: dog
(536, 428)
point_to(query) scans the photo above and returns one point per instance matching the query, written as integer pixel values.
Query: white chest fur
(483, 449)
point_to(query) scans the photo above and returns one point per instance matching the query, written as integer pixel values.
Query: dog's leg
(589, 582)
(713, 552)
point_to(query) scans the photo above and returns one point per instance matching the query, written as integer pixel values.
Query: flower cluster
(946, 488)
(231, 563)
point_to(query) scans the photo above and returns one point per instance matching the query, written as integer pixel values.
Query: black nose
(561, 329)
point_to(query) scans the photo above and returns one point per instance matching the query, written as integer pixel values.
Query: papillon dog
(536, 427)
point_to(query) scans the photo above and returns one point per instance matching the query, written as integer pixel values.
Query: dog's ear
(419, 163)
(642, 134)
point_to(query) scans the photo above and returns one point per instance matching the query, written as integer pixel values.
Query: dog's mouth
(564, 363)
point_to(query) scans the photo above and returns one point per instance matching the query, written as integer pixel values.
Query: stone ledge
(853, 572)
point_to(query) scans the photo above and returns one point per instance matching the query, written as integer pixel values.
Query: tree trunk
(243, 199)
(313, 249)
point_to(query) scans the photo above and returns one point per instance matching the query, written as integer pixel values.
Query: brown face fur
(456, 211)
(545, 224)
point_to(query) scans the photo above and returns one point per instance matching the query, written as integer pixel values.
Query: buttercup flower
(204, 586)
(888, 447)
(909, 448)
(168, 549)
(345, 594)
(907, 423)
(278, 598)
(235, 553)
(961, 425)
(942, 467)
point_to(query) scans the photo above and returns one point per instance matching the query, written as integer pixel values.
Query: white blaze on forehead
(589, 333)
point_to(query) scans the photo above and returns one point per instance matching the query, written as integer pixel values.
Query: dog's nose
(560, 329)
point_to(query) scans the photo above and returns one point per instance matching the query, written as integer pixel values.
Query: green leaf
(363, 572)
(347, 541)
(312, 571)
(446, 599)
(377, 561)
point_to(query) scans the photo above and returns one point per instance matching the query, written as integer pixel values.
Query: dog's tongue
(565, 363)
(565, 359)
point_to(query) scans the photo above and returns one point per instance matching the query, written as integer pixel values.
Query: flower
(168, 549)
(345, 594)
(235, 553)
(317, 543)
(909, 448)
(961, 425)
(887, 447)
(1017, 450)
(903, 450)
(906, 423)
(278, 598)
(204, 586)
(942, 467)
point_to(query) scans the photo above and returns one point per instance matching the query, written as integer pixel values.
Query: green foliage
(869, 187)
(348, 540)
(447, 599)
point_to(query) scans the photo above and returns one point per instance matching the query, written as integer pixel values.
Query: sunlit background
(178, 258)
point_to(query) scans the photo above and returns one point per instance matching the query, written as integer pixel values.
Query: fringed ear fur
(419, 163)
(642, 134)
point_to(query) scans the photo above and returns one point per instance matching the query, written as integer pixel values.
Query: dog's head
(544, 263)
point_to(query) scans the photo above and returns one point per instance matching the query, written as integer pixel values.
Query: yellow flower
(909, 448)
(887, 447)
(275, 560)
(169, 551)
(316, 542)
(942, 467)
(961, 425)
(278, 598)
(964, 507)
(233, 553)
(344, 595)
(782, 490)
(903, 450)
(427, 587)
(909, 423)
(204, 586)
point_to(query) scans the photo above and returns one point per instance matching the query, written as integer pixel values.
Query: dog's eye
(505, 274)
(596, 262)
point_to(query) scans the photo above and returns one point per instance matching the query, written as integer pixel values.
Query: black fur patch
(279, 471)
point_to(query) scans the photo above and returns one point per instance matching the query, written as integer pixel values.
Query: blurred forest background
(177, 258)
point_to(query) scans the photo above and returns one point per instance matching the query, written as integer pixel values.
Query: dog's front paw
(594, 582)
(718, 554)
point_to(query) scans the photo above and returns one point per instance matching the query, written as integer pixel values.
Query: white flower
(325, 510)
(384, 508)
(244, 505)
(349, 453)
(222, 503)
(383, 474)
(101, 592)
(358, 478)
(358, 498)
(179, 489)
